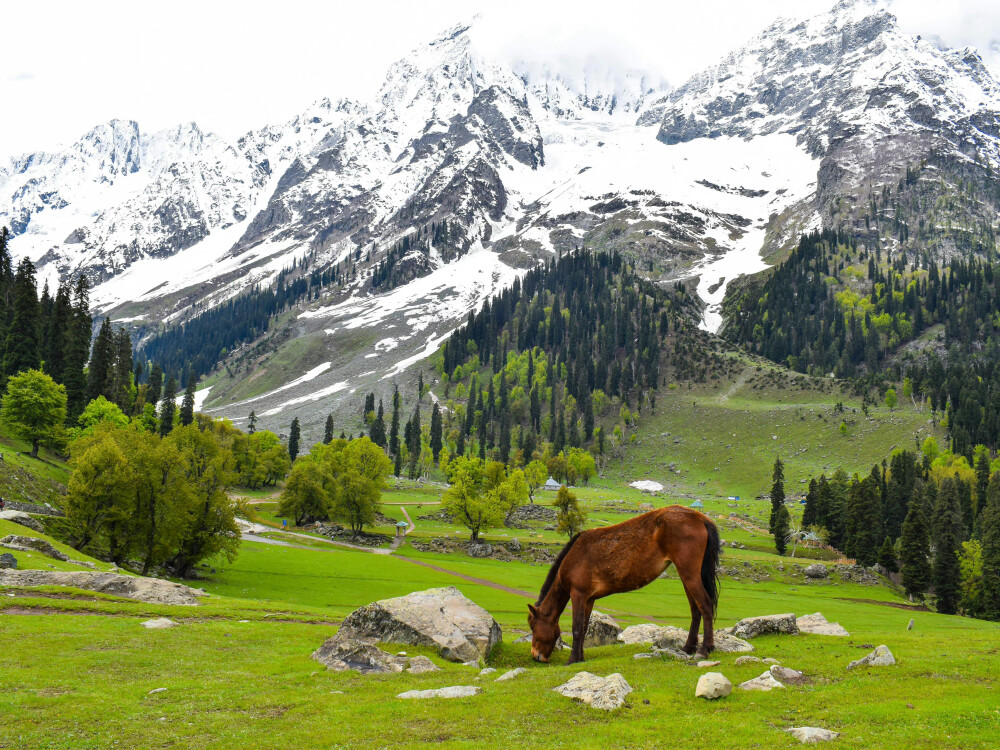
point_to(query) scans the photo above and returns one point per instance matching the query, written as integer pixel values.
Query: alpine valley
(373, 228)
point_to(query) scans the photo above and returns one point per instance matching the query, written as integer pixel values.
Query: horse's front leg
(581, 617)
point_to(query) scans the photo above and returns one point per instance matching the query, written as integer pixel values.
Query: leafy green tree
(782, 528)
(777, 491)
(261, 459)
(470, 500)
(99, 489)
(571, 518)
(891, 399)
(360, 477)
(887, 557)
(970, 563)
(535, 473)
(306, 493)
(34, 407)
(187, 404)
(293, 440)
(98, 411)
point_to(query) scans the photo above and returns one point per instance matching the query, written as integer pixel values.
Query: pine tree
(77, 348)
(187, 405)
(100, 369)
(887, 556)
(121, 374)
(378, 427)
(810, 512)
(777, 491)
(168, 407)
(397, 465)
(915, 552)
(588, 419)
(394, 427)
(504, 444)
(23, 350)
(782, 522)
(57, 329)
(989, 524)
(420, 386)
(328, 432)
(436, 427)
(460, 444)
(155, 386)
(293, 439)
(252, 423)
(947, 538)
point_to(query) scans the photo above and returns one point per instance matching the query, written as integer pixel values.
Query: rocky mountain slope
(462, 169)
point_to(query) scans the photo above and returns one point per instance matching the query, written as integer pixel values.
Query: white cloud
(233, 66)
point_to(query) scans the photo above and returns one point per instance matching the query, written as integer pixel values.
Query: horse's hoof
(688, 650)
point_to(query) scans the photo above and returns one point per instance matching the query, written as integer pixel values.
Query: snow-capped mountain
(464, 168)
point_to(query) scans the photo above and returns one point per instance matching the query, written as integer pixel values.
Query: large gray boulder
(443, 619)
(880, 657)
(17, 516)
(674, 638)
(482, 549)
(30, 543)
(149, 590)
(816, 624)
(765, 682)
(455, 691)
(751, 627)
(8, 561)
(602, 630)
(605, 693)
(787, 675)
(636, 634)
(816, 571)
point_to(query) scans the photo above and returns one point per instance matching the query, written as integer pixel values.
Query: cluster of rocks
(520, 516)
(527, 552)
(339, 534)
(32, 544)
(746, 571)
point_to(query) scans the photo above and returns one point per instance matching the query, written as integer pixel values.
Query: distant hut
(697, 504)
(551, 484)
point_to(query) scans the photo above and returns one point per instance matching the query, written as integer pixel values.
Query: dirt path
(740, 381)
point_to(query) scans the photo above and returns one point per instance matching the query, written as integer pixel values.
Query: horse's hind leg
(701, 603)
(692, 640)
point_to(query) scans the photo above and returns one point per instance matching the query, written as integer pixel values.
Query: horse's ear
(532, 610)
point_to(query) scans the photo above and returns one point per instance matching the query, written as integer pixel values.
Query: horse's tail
(709, 579)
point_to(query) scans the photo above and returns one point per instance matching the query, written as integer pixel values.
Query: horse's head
(544, 634)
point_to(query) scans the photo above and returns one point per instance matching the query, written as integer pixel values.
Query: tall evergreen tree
(101, 367)
(154, 389)
(947, 528)
(187, 405)
(121, 375)
(777, 490)
(252, 423)
(504, 444)
(328, 431)
(915, 552)
(782, 523)
(394, 427)
(887, 557)
(23, 350)
(378, 427)
(460, 444)
(77, 348)
(57, 329)
(989, 524)
(293, 439)
(436, 428)
(168, 407)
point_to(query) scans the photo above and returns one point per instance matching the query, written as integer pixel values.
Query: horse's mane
(551, 577)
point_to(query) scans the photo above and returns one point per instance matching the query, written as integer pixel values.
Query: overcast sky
(66, 66)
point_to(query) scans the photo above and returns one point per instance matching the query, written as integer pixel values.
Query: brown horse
(625, 557)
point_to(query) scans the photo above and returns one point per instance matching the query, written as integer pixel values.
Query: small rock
(644, 633)
(908, 627)
(788, 676)
(8, 561)
(159, 623)
(157, 690)
(400, 653)
(807, 735)
(514, 545)
(705, 664)
(880, 657)
(487, 671)
(507, 676)
(712, 685)
(455, 691)
(765, 682)
(816, 571)
(741, 660)
(770, 660)
(421, 665)
(605, 693)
